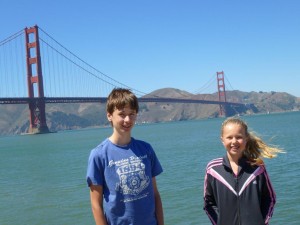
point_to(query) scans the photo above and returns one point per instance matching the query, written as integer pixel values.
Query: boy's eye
(131, 115)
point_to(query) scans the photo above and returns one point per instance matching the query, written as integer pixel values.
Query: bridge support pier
(37, 117)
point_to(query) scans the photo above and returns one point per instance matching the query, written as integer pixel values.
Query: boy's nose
(127, 117)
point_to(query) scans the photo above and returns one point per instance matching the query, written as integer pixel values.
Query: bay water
(42, 177)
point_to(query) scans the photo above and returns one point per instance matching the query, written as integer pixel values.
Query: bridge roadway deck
(103, 100)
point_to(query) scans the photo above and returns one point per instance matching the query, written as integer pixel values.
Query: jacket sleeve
(268, 198)
(210, 206)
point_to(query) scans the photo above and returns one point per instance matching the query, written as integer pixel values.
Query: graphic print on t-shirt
(133, 179)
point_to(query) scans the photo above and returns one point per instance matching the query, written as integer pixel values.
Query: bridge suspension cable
(65, 74)
(82, 66)
(12, 37)
(12, 66)
(208, 86)
(227, 82)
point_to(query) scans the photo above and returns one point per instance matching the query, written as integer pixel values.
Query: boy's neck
(120, 140)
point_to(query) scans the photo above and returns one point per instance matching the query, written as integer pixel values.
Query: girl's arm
(96, 195)
(210, 206)
(268, 198)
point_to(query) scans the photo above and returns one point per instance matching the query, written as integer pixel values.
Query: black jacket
(246, 199)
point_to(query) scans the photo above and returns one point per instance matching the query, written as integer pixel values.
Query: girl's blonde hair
(256, 148)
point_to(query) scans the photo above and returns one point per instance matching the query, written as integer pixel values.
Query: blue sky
(155, 44)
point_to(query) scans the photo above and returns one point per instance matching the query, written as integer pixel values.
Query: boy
(121, 170)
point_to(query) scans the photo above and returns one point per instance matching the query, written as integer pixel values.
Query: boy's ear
(108, 115)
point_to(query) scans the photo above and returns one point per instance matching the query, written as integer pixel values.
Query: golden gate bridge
(36, 70)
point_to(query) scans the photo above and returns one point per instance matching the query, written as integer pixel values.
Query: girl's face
(234, 140)
(122, 120)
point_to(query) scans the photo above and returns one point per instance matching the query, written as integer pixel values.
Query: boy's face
(122, 120)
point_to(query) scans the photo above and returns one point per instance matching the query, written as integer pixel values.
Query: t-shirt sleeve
(94, 169)
(156, 166)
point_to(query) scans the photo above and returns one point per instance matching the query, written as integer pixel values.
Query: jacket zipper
(238, 198)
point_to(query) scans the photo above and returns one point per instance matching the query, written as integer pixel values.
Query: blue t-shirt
(125, 172)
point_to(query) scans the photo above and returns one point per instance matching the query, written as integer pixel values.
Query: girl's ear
(222, 140)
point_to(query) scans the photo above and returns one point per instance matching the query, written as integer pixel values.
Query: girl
(237, 188)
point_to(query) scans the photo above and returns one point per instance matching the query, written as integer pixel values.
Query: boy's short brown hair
(119, 98)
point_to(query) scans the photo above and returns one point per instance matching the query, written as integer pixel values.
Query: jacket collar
(243, 162)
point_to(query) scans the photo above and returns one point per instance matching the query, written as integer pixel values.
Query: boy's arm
(158, 204)
(96, 195)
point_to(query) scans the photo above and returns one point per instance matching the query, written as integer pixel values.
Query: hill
(14, 118)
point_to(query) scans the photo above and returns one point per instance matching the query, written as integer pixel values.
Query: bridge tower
(37, 115)
(222, 93)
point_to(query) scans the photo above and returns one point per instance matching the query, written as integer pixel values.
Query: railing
(26, 100)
